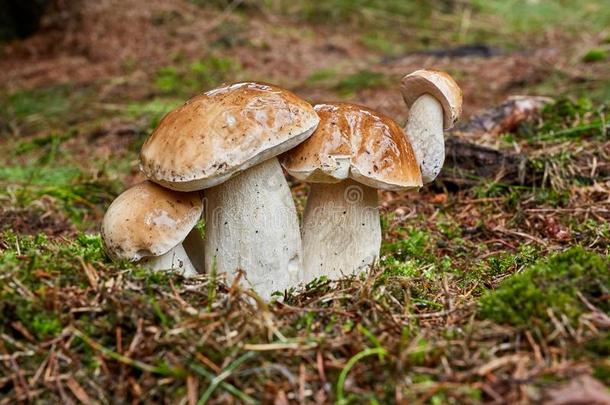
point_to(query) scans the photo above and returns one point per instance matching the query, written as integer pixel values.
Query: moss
(600, 346)
(508, 262)
(322, 76)
(202, 73)
(525, 298)
(595, 55)
(361, 80)
(567, 118)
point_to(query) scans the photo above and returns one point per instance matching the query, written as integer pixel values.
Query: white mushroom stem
(425, 131)
(252, 225)
(341, 230)
(175, 260)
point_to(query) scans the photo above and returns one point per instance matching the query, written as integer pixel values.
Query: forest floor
(491, 288)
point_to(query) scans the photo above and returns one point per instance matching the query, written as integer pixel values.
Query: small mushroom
(353, 152)
(226, 142)
(435, 103)
(148, 223)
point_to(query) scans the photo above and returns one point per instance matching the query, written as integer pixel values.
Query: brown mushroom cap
(217, 134)
(439, 85)
(356, 142)
(148, 220)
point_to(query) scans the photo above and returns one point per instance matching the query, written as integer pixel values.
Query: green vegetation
(67, 184)
(197, 76)
(347, 85)
(559, 285)
(568, 119)
(479, 283)
(437, 23)
(524, 16)
(36, 109)
(361, 80)
(595, 55)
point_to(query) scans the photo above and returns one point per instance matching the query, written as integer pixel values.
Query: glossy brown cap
(148, 220)
(440, 86)
(355, 142)
(217, 134)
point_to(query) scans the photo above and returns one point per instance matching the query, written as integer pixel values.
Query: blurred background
(83, 82)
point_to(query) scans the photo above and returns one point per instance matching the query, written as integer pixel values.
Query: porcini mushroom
(435, 103)
(353, 152)
(148, 223)
(226, 142)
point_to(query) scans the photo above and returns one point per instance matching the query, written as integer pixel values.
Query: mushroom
(353, 152)
(148, 223)
(226, 142)
(435, 103)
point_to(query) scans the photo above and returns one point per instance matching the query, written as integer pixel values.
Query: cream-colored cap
(217, 134)
(440, 86)
(148, 220)
(355, 142)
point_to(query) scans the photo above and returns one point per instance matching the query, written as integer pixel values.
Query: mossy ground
(488, 292)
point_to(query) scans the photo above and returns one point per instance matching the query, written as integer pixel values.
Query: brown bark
(466, 162)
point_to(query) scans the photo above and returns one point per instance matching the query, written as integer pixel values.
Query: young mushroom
(353, 152)
(226, 142)
(148, 223)
(435, 103)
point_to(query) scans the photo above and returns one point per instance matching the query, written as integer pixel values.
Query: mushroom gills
(252, 225)
(341, 230)
(425, 132)
(176, 260)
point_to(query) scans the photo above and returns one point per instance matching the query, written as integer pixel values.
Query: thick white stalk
(252, 225)
(175, 260)
(425, 131)
(341, 230)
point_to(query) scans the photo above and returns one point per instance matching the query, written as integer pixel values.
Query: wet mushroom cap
(439, 85)
(148, 220)
(217, 134)
(355, 142)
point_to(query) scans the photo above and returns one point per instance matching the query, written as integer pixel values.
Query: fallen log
(467, 162)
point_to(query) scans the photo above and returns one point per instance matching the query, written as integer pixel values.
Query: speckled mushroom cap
(217, 134)
(355, 142)
(439, 85)
(148, 220)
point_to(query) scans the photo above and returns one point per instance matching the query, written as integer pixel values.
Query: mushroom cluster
(218, 156)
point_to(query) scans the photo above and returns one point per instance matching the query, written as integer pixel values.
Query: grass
(568, 118)
(438, 23)
(36, 109)
(350, 84)
(445, 279)
(595, 55)
(197, 76)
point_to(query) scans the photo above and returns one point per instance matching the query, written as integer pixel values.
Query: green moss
(600, 346)
(361, 80)
(595, 55)
(322, 76)
(525, 298)
(67, 184)
(509, 262)
(567, 118)
(40, 109)
(412, 243)
(384, 42)
(197, 76)
(44, 102)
